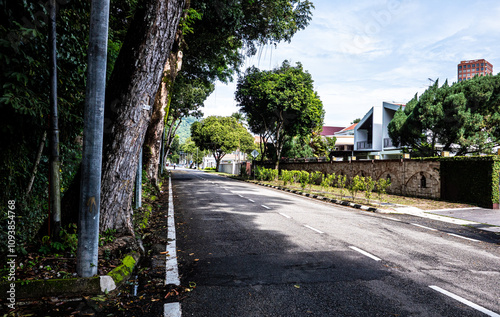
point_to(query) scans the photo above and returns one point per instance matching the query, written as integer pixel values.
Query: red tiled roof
(351, 127)
(330, 130)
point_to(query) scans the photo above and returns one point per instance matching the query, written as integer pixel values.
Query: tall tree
(211, 42)
(221, 135)
(462, 118)
(279, 104)
(130, 94)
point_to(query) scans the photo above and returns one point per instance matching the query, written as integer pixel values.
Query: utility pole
(90, 193)
(55, 162)
(138, 183)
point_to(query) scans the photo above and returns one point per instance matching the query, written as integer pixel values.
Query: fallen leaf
(296, 286)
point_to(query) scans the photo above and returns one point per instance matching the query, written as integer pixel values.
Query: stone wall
(408, 177)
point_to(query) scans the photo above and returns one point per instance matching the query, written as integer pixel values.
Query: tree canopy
(461, 118)
(279, 104)
(221, 135)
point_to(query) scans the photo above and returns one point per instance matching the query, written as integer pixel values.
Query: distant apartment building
(468, 69)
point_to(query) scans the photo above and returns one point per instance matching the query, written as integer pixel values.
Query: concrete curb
(74, 286)
(334, 201)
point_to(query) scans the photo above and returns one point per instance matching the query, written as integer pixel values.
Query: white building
(371, 137)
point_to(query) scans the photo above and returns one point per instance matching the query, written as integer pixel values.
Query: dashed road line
(313, 229)
(365, 253)
(250, 200)
(240, 196)
(462, 237)
(420, 226)
(172, 310)
(285, 215)
(266, 207)
(465, 301)
(390, 218)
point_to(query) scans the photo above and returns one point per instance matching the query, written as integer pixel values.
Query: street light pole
(93, 127)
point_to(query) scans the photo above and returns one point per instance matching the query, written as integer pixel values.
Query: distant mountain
(184, 130)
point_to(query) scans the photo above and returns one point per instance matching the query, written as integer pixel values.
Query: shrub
(368, 187)
(341, 183)
(356, 185)
(382, 186)
(313, 178)
(286, 177)
(303, 179)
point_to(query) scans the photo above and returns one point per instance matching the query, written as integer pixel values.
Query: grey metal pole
(90, 193)
(55, 162)
(162, 150)
(138, 183)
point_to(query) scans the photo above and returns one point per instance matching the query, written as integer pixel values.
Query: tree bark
(152, 142)
(131, 90)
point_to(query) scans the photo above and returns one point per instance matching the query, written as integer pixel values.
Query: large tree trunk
(131, 90)
(152, 142)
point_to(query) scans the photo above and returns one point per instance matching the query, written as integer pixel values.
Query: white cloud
(364, 52)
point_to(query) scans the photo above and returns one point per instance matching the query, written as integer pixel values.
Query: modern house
(371, 137)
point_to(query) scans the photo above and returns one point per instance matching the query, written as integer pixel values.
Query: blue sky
(363, 52)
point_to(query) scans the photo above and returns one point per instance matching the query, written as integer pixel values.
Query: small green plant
(341, 184)
(304, 179)
(107, 236)
(67, 241)
(368, 187)
(313, 178)
(381, 188)
(286, 177)
(356, 185)
(328, 181)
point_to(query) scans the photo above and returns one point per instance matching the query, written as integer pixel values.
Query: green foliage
(314, 178)
(221, 135)
(297, 147)
(286, 177)
(279, 104)
(328, 181)
(381, 187)
(24, 99)
(368, 187)
(356, 184)
(107, 236)
(341, 184)
(68, 241)
(463, 118)
(303, 179)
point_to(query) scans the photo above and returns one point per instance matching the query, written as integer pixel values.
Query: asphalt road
(254, 251)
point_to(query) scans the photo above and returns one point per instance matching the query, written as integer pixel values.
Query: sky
(361, 53)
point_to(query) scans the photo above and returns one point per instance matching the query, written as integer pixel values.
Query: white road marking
(394, 219)
(251, 200)
(416, 224)
(240, 196)
(265, 207)
(465, 301)
(286, 216)
(459, 236)
(171, 267)
(314, 229)
(365, 253)
(172, 310)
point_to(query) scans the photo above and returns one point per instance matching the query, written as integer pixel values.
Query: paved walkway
(480, 218)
